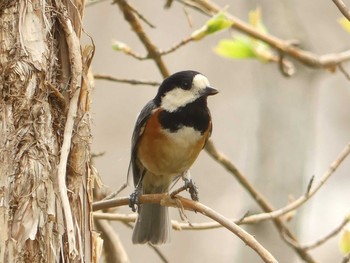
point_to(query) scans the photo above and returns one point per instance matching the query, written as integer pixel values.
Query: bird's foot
(192, 189)
(134, 200)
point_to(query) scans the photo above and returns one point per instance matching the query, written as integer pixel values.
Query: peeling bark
(41, 66)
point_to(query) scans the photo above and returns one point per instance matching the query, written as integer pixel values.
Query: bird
(170, 132)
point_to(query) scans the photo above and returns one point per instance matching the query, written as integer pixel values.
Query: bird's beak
(208, 91)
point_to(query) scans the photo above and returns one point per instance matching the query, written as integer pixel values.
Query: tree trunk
(45, 182)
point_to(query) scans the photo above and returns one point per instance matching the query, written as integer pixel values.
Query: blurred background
(278, 131)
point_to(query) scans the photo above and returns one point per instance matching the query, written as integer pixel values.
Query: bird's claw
(192, 189)
(134, 200)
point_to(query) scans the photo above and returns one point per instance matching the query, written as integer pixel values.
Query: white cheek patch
(178, 97)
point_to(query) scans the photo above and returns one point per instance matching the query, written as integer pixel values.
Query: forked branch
(187, 204)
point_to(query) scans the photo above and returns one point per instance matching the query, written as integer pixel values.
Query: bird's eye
(186, 85)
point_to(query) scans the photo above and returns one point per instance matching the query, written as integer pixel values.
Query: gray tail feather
(152, 225)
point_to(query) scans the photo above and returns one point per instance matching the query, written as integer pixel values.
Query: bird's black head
(182, 88)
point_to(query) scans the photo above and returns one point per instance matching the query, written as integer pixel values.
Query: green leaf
(237, 48)
(345, 242)
(216, 23)
(345, 24)
(241, 47)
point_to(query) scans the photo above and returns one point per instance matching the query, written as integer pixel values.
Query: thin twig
(128, 81)
(283, 47)
(265, 255)
(308, 189)
(259, 198)
(113, 247)
(153, 51)
(244, 220)
(155, 248)
(176, 225)
(142, 17)
(158, 252)
(189, 19)
(307, 58)
(135, 55)
(94, 2)
(97, 154)
(187, 204)
(178, 190)
(177, 46)
(313, 190)
(117, 192)
(241, 220)
(342, 69)
(195, 6)
(342, 8)
(331, 234)
(346, 259)
(104, 204)
(128, 218)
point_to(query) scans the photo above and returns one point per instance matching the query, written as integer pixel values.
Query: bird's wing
(135, 167)
(210, 129)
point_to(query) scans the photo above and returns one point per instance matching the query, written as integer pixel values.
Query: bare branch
(154, 247)
(104, 204)
(134, 22)
(187, 204)
(94, 2)
(97, 154)
(307, 58)
(346, 259)
(223, 160)
(310, 185)
(176, 225)
(331, 234)
(329, 61)
(242, 234)
(247, 219)
(158, 252)
(117, 192)
(342, 8)
(142, 17)
(189, 19)
(313, 190)
(182, 225)
(113, 247)
(128, 81)
(177, 46)
(342, 69)
(126, 218)
(260, 199)
(309, 193)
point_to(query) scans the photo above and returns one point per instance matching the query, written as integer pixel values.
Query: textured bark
(44, 88)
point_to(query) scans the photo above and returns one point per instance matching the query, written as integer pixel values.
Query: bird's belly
(171, 153)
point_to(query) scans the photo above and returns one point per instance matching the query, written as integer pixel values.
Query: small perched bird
(169, 134)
